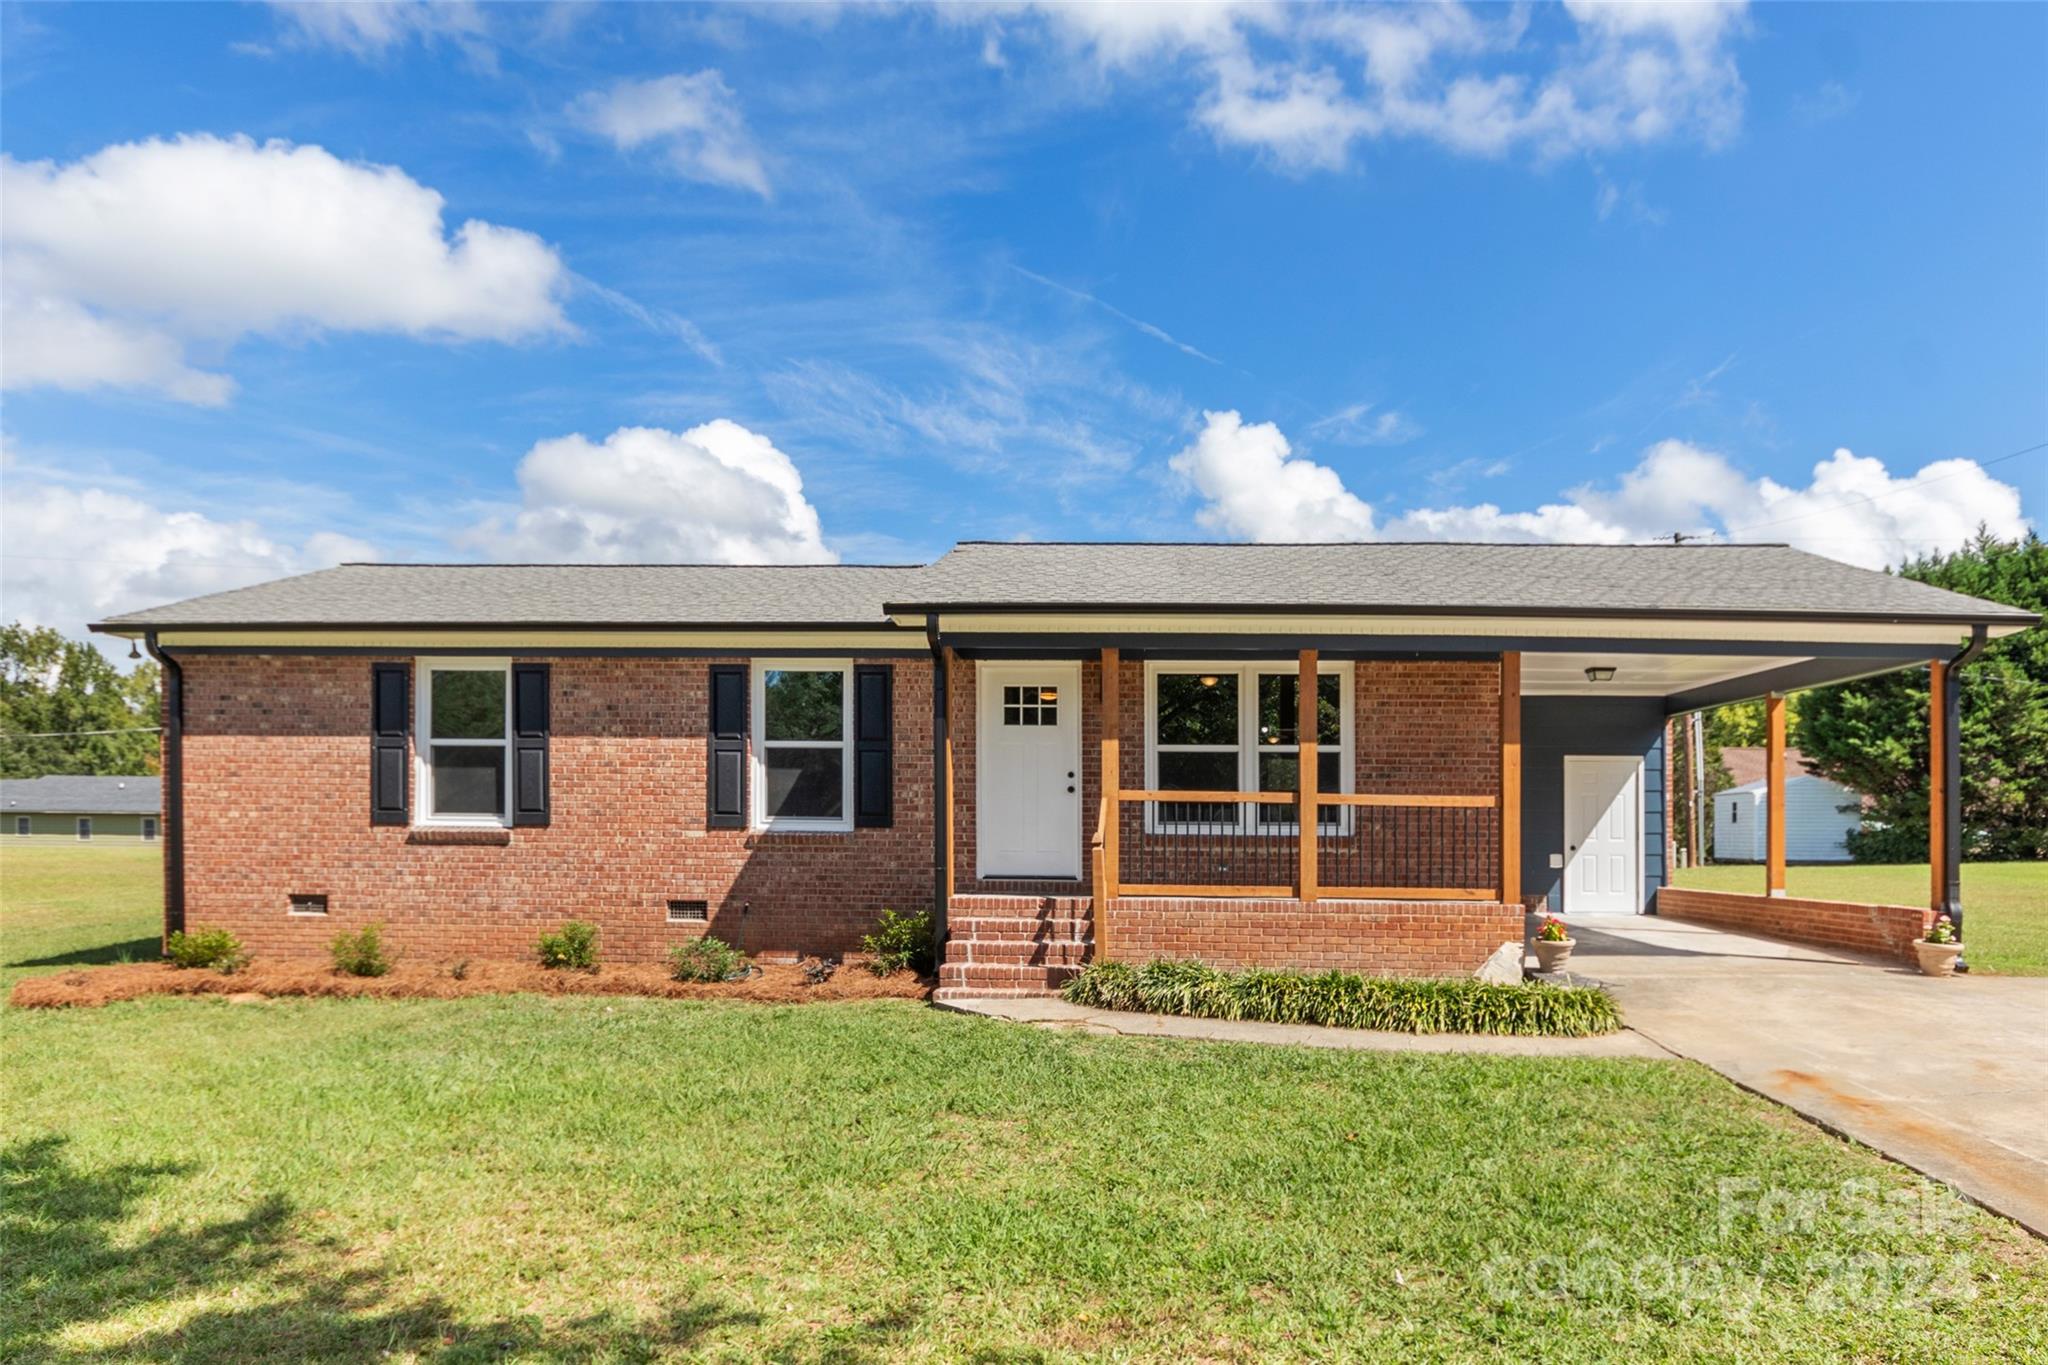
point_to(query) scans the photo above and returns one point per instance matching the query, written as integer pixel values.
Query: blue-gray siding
(1553, 727)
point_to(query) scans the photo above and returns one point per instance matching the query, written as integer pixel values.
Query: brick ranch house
(1063, 750)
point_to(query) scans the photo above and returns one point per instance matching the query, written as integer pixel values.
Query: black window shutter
(726, 806)
(390, 724)
(874, 785)
(529, 744)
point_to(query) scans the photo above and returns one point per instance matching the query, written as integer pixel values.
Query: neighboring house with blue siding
(90, 810)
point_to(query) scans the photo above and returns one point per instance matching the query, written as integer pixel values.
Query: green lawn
(2005, 905)
(63, 905)
(622, 1179)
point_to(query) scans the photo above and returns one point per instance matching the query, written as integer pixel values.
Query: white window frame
(760, 744)
(84, 829)
(1247, 673)
(149, 829)
(423, 742)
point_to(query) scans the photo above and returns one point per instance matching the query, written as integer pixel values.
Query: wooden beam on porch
(1937, 784)
(1774, 794)
(1511, 778)
(1111, 778)
(1307, 726)
(952, 789)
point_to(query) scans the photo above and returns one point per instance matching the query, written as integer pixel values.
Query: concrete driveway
(1948, 1076)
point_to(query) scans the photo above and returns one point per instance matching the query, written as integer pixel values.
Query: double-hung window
(803, 779)
(1235, 727)
(463, 741)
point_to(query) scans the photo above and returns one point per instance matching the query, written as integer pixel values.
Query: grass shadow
(131, 950)
(64, 1267)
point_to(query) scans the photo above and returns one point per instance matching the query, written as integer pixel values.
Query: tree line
(66, 709)
(1872, 735)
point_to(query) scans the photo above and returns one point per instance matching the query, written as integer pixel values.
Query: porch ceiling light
(1048, 695)
(1209, 680)
(1600, 673)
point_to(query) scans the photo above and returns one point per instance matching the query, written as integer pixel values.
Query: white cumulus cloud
(119, 266)
(693, 119)
(1253, 487)
(1302, 85)
(77, 554)
(717, 493)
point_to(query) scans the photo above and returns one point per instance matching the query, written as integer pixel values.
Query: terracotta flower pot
(1551, 955)
(1938, 959)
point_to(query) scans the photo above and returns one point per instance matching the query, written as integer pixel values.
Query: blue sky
(865, 282)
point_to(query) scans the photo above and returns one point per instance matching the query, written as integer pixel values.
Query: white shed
(1818, 817)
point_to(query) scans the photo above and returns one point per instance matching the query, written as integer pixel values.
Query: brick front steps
(1013, 945)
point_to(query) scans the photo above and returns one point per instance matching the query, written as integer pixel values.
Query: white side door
(1028, 770)
(1603, 833)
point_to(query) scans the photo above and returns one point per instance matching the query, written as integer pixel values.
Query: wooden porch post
(1937, 785)
(1774, 795)
(952, 793)
(1306, 729)
(1112, 779)
(1511, 778)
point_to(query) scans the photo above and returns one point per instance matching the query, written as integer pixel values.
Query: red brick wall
(277, 757)
(1381, 938)
(1886, 930)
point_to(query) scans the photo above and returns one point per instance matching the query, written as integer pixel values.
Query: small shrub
(574, 945)
(361, 953)
(707, 959)
(1342, 1000)
(901, 941)
(215, 948)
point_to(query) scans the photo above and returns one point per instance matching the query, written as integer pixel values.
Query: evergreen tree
(1872, 735)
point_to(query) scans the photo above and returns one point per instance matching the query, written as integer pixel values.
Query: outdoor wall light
(1599, 673)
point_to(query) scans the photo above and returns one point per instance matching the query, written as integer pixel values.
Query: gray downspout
(173, 785)
(1952, 781)
(942, 894)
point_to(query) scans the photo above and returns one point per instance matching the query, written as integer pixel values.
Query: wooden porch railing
(1356, 846)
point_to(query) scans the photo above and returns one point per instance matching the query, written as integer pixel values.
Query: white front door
(1603, 834)
(1028, 773)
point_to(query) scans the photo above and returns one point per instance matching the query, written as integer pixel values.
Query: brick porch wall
(1884, 930)
(277, 755)
(1030, 945)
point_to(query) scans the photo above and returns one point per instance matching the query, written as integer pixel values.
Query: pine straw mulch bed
(777, 983)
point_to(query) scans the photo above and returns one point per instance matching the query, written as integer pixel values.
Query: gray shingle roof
(80, 795)
(549, 594)
(1435, 577)
(1576, 580)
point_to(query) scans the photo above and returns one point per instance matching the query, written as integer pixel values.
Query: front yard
(2005, 905)
(622, 1179)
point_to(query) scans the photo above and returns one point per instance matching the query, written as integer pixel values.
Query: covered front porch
(1340, 802)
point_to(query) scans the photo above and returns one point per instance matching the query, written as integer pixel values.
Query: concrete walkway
(1055, 1013)
(1948, 1076)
